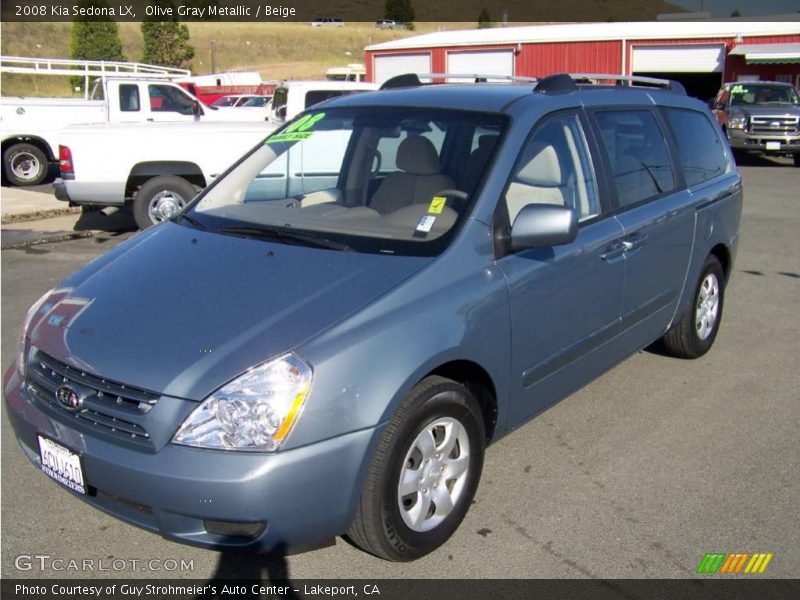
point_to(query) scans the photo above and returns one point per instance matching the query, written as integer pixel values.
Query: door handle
(613, 250)
(632, 241)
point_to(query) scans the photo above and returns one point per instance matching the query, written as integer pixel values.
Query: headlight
(737, 122)
(35, 307)
(255, 411)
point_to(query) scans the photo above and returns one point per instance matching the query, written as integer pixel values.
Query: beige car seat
(417, 182)
(538, 182)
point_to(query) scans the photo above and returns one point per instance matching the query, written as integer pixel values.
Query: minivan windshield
(755, 93)
(370, 179)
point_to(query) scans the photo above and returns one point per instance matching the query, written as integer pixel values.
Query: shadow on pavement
(244, 569)
(95, 220)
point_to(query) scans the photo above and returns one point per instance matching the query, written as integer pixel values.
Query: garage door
(496, 62)
(701, 58)
(389, 65)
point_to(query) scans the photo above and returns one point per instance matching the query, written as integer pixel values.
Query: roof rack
(415, 79)
(559, 83)
(568, 82)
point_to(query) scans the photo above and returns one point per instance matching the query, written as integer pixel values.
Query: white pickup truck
(156, 168)
(29, 126)
(159, 167)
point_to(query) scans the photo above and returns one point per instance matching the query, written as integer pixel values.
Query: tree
(94, 38)
(166, 41)
(400, 11)
(735, 13)
(484, 20)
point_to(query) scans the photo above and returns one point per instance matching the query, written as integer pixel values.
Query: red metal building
(700, 54)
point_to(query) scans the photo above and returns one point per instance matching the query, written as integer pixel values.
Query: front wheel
(424, 473)
(161, 198)
(796, 158)
(25, 164)
(694, 334)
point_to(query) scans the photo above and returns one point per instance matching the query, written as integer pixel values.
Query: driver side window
(554, 168)
(164, 98)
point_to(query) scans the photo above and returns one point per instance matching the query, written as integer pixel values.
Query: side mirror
(542, 225)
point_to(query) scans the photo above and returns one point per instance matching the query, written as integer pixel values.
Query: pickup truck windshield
(389, 180)
(752, 93)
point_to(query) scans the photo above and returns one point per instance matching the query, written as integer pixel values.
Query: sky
(723, 8)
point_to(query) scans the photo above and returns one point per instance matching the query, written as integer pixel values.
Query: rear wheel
(796, 158)
(161, 198)
(25, 164)
(424, 474)
(694, 334)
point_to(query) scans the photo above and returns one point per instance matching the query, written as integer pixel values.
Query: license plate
(61, 464)
(773, 145)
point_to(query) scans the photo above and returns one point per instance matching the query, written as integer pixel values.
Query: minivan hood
(180, 311)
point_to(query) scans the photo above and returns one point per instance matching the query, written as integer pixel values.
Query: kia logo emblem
(69, 398)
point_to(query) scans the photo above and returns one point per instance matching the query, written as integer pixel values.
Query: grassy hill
(280, 51)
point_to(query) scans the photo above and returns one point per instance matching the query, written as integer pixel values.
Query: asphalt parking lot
(636, 476)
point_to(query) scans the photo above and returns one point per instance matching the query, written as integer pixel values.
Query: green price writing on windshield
(297, 131)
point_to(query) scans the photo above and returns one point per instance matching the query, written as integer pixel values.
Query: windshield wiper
(286, 236)
(192, 220)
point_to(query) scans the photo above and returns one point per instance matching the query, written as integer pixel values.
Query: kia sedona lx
(371, 296)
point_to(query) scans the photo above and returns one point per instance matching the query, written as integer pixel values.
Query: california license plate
(61, 464)
(773, 145)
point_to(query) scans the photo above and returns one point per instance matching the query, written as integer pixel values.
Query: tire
(694, 334)
(405, 527)
(796, 158)
(160, 198)
(25, 164)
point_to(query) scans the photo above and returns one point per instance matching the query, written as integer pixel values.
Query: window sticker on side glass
(297, 131)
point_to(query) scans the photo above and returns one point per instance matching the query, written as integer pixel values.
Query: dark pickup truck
(760, 116)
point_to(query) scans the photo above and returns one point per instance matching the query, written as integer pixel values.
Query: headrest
(416, 155)
(543, 168)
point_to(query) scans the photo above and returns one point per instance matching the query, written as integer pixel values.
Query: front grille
(110, 409)
(766, 125)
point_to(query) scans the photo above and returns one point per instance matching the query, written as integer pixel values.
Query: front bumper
(304, 497)
(743, 140)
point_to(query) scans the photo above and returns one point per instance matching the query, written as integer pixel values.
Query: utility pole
(213, 57)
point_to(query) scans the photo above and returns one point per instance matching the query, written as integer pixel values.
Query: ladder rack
(88, 69)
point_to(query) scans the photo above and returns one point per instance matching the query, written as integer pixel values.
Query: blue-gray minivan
(325, 341)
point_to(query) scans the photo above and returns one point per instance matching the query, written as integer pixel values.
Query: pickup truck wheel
(796, 158)
(694, 334)
(25, 164)
(161, 198)
(424, 473)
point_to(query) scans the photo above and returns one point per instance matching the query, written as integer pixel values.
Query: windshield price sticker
(297, 131)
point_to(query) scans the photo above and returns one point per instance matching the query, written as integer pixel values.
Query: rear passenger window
(128, 97)
(554, 168)
(702, 154)
(638, 154)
